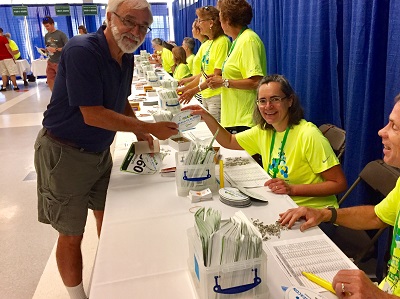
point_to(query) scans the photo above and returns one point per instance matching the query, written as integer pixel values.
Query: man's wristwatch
(334, 214)
(226, 83)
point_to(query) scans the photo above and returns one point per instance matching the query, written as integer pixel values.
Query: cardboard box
(179, 143)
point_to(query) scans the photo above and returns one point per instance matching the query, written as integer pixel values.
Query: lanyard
(205, 56)
(275, 169)
(233, 46)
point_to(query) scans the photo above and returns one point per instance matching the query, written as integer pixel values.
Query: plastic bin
(240, 280)
(194, 177)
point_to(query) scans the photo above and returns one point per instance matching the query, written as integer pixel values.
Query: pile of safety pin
(268, 230)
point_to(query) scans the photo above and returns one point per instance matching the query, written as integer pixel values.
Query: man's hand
(313, 217)
(145, 137)
(51, 49)
(355, 284)
(164, 129)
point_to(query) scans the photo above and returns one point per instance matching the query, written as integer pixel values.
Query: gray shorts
(69, 182)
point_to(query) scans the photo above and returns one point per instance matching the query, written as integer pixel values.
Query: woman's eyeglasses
(274, 100)
(200, 21)
(129, 23)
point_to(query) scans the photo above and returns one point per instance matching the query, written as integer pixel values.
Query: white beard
(123, 43)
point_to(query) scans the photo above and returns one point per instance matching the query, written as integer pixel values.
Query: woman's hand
(196, 110)
(184, 81)
(187, 96)
(278, 186)
(214, 82)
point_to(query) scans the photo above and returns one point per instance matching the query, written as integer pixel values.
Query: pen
(221, 174)
(319, 281)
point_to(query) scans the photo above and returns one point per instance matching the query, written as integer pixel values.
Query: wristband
(334, 214)
(199, 87)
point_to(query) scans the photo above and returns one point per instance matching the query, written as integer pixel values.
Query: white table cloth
(143, 249)
(23, 66)
(39, 67)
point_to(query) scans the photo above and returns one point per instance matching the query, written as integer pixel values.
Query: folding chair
(336, 137)
(358, 244)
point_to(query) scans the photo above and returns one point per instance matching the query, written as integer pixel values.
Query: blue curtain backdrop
(160, 26)
(342, 57)
(67, 24)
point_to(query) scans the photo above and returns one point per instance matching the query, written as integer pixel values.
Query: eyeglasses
(129, 23)
(200, 21)
(274, 100)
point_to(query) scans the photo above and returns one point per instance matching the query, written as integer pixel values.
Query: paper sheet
(314, 254)
(249, 176)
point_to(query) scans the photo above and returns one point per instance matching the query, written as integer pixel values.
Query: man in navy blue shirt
(87, 107)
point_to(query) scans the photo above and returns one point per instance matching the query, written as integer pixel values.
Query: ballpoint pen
(319, 281)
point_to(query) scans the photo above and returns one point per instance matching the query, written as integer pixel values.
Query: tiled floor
(25, 244)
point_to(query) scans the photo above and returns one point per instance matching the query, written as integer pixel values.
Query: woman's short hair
(179, 55)
(211, 13)
(157, 41)
(235, 12)
(295, 112)
(189, 42)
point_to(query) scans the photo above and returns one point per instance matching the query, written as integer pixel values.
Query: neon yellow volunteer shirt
(247, 59)
(307, 153)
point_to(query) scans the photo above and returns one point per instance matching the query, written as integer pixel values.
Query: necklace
(275, 169)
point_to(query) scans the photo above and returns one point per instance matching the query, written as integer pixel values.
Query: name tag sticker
(185, 120)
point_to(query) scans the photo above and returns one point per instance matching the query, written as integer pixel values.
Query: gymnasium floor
(27, 262)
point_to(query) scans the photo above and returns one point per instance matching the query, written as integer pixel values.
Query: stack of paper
(237, 239)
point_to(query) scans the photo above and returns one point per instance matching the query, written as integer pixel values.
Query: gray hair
(133, 4)
(189, 41)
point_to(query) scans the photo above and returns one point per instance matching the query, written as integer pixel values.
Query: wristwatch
(334, 214)
(56, 49)
(226, 83)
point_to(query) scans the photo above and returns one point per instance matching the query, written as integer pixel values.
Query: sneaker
(26, 83)
(16, 88)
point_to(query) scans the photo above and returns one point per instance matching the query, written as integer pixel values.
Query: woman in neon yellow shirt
(188, 45)
(244, 67)
(165, 58)
(180, 69)
(213, 55)
(196, 64)
(297, 157)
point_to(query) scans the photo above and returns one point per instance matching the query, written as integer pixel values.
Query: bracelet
(199, 87)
